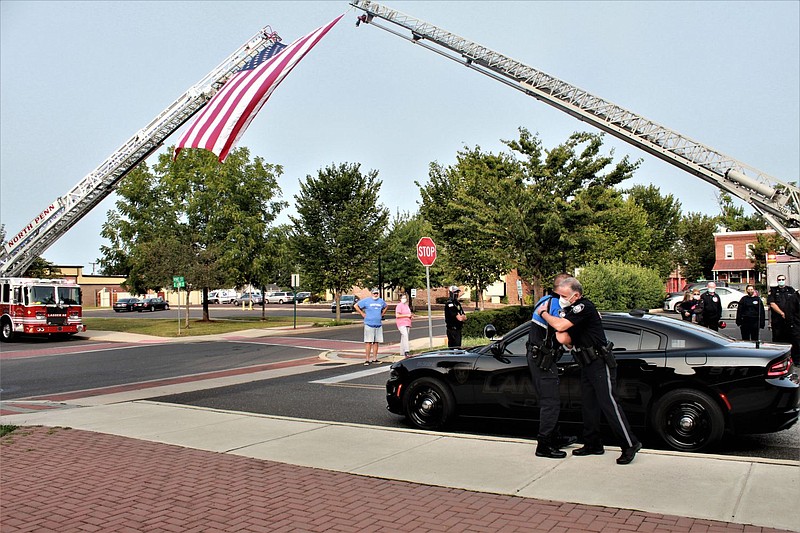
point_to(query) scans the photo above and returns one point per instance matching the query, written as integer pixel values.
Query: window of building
(728, 251)
(749, 250)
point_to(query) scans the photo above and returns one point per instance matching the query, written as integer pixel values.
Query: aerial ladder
(21, 249)
(776, 201)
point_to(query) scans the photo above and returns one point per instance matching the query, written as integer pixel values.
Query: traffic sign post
(178, 282)
(295, 285)
(426, 253)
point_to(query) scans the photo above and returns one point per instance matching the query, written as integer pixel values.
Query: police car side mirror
(489, 331)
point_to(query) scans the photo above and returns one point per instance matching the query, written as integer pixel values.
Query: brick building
(734, 255)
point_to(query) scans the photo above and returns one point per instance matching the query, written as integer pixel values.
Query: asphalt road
(346, 393)
(357, 394)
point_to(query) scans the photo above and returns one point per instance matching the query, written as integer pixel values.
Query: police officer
(750, 315)
(710, 310)
(779, 302)
(454, 318)
(582, 328)
(543, 354)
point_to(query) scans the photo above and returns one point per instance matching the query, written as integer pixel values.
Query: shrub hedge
(504, 320)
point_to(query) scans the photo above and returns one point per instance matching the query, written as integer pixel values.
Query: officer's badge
(561, 313)
(577, 308)
(714, 299)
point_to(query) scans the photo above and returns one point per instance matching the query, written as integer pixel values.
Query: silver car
(728, 296)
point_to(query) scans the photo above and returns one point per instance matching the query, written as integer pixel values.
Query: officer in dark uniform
(779, 303)
(710, 310)
(750, 315)
(582, 328)
(454, 318)
(543, 354)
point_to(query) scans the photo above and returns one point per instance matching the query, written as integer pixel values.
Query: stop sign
(426, 251)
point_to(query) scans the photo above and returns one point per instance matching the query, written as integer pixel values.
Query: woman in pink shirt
(403, 315)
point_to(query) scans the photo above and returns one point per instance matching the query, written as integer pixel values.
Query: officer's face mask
(564, 302)
(781, 282)
(696, 296)
(751, 292)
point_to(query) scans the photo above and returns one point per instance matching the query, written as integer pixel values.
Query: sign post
(426, 253)
(295, 285)
(178, 282)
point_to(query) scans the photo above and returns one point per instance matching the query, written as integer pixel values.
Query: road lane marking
(353, 375)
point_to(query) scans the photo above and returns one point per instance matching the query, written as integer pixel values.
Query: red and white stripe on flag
(226, 117)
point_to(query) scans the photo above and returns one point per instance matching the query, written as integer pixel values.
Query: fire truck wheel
(6, 331)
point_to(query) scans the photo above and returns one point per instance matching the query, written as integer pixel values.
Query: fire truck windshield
(38, 294)
(69, 295)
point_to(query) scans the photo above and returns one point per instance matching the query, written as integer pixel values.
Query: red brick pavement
(65, 480)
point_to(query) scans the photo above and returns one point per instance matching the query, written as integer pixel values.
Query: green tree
(461, 202)
(560, 194)
(695, 248)
(193, 217)
(401, 268)
(767, 243)
(338, 226)
(732, 217)
(663, 217)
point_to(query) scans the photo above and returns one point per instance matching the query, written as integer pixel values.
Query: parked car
(347, 304)
(728, 296)
(222, 296)
(246, 297)
(301, 297)
(701, 284)
(279, 297)
(152, 304)
(685, 383)
(125, 304)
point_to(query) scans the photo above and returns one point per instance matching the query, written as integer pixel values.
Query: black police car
(686, 383)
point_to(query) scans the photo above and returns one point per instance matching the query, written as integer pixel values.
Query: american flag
(226, 117)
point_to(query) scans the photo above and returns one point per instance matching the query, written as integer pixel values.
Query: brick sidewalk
(65, 480)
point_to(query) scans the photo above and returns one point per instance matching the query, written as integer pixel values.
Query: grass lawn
(163, 327)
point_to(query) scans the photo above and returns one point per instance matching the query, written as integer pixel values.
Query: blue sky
(77, 79)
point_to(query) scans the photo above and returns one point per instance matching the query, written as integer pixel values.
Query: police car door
(641, 360)
(502, 380)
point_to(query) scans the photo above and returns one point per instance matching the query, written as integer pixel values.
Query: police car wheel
(429, 403)
(688, 420)
(733, 305)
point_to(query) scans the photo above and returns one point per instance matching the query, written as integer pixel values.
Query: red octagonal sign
(426, 251)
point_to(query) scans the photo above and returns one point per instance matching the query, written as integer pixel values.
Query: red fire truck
(35, 306)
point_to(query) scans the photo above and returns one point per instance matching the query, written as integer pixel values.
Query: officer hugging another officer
(578, 326)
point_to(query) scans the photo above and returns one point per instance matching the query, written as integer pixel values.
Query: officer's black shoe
(589, 450)
(543, 449)
(628, 454)
(562, 441)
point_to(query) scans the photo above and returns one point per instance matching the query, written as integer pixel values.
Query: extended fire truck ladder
(21, 249)
(776, 201)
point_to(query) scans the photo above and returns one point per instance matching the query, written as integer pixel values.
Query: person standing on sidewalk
(403, 317)
(779, 301)
(710, 309)
(372, 311)
(750, 315)
(582, 328)
(454, 318)
(543, 352)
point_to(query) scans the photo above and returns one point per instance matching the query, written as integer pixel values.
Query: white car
(279, 297)
(728, 295)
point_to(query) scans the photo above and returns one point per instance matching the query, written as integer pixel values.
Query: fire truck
(34, 306)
